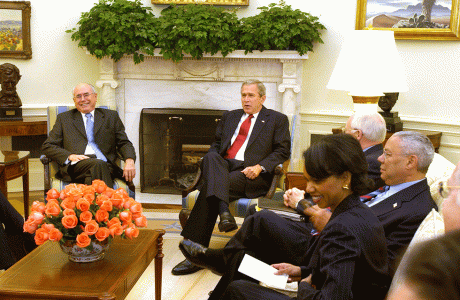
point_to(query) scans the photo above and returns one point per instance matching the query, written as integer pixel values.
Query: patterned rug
(169, 221)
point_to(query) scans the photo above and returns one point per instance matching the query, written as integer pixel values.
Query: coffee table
(47, 273)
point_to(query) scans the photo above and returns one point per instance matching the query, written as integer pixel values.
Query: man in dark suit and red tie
(86, 141)
(249, 144)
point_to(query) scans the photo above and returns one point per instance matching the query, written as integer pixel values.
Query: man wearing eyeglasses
(85, 141)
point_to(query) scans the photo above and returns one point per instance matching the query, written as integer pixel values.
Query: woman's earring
(346, 187)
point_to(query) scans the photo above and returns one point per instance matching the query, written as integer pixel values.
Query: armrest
(278, 173)
(47, 176)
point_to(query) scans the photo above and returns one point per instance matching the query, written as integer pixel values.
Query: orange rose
(102, 233)
(99, 186)
(117, 200)
(36, 217)
(90, 197)
(68, 203)
(41, 236)
(52, 194)
(69, 221)
(68, 212)
(47, 227)
(74, 194)
(135, 207)
(88, 190)
(55, 235)
(52, 208)
(125, 216)
(102, 215)
(113, 221)
(83, 204)
(83, 240)
(131, 232)
(86, 216)
(29, 227)
(106, 205)
(141, 221)
(38, 206)
(101, 199)
(128, 202)
(123, 192)
(116, 229)
(91, 227)
(108, 192)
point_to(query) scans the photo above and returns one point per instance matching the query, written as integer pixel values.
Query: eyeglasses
(444, 189)
(81, 96)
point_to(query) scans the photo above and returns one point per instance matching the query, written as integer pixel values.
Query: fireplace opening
(172, 142)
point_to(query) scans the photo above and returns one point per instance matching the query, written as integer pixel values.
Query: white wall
(57, 64)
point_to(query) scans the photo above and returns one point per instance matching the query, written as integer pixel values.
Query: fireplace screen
(172, 142)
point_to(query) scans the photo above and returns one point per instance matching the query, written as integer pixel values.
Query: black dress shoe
(185, 267)
(227, 222)
(196, 253)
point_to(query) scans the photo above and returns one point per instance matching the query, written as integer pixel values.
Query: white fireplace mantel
(213, 82)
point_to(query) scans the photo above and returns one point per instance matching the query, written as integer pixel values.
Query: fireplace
(212, 83)
(171, 144)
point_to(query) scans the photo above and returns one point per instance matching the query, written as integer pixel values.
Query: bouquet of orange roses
(83, 213)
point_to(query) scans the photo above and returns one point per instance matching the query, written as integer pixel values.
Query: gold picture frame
(15, 29)
(209, 2)
(384, 21)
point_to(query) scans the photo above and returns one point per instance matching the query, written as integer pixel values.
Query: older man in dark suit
(86, 141)
(249, 144)
(370, 131)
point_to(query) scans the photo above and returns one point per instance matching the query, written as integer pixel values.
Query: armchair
(51, 167)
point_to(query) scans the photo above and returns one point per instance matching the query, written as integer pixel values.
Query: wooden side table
(14, 164)
(47, 273)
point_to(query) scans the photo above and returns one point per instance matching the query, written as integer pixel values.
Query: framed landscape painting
(15, 29)
(411, 19)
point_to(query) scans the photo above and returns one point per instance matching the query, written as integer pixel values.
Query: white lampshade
(369, 65)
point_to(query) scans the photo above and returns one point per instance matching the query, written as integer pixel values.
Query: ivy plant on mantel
(114, 28)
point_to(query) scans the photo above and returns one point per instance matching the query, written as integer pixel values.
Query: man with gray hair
(370, 130)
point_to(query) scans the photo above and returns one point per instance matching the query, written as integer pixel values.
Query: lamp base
(393, 122)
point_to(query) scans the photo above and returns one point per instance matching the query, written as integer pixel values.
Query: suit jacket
(401, 215)
(68, 136)
(348, 260)
(373, 171)
(268, 145)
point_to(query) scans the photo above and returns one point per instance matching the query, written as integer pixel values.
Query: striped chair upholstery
(53, 111)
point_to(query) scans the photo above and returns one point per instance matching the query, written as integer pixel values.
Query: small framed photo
(15, 29)
(411, 20)
(211, 2)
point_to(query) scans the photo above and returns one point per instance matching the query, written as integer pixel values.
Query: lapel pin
(395, 204)
(263, 121)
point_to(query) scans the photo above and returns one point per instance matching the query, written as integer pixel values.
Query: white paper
(261, 271)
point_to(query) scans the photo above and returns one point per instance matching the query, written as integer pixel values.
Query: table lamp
(368, 66)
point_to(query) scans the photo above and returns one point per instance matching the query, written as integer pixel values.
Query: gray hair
(372, 125)
(90, 85)
(260, 86)
(416, 143)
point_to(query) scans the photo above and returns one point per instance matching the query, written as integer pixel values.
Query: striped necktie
(372, 195)
(90, 136)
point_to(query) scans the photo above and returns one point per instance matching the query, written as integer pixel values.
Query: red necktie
(239, 141)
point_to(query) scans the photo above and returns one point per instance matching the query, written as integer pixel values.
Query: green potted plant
(196, 29)
(113, 28)
(279, 27)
